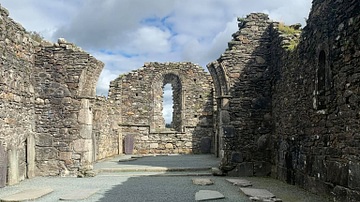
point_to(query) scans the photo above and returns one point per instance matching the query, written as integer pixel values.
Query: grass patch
(287, 29)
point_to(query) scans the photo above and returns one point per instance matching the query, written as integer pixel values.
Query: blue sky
(126, 33)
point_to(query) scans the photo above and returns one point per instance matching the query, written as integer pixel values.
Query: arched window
(168, 105)
(321, 81)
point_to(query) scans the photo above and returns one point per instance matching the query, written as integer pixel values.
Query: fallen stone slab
(257, 199)
(27, 195)
(202, 181)
(204, 195)
(240, 182)
(258, 194)
(78, 194)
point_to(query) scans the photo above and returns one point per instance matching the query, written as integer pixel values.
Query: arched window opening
(321, 79)
(167, 110)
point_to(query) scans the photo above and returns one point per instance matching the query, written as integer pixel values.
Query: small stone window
(321, 81)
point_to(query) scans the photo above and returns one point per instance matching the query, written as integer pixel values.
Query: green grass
(287, 29)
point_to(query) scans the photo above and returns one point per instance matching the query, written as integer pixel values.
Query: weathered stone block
(154, 145)
(86, 131)
(225, 116)
(44, 140)
(65, 155)
(262, 169)
(237, 157)
(82, 145)
(354, 175)
(228, 131)
(205, 145)
(85, 115)
(46, 153)
(169, 146)
(242, 170)
(337, 172)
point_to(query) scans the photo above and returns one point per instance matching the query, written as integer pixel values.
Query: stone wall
(46, 93)
(139, 94)
(316, 104)
(65, 86)
(16, 99)
(242, 75)
(292, 112)
(105, 128)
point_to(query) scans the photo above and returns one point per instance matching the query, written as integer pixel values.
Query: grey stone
(245, 169)
(204, 195)
(240, 182)
(354, 175)
(79, 194)
(216, 171)
(205, 145)
(27, 195)
(259, 193)
(202, 181)
(262, 169)
(236, 157)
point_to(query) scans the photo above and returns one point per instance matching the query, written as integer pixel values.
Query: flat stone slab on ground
(240, 182)
(27, 195)
(259, 193)
(79, 194)
(202, 181)
(204, 195)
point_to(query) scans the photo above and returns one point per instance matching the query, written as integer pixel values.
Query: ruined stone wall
(242, 79)
(108, 141)
(139, 94)
(316, 104)
(16, 99)
(65, 86)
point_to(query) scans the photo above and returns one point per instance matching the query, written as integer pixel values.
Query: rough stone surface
(293, 112)
(259, 193)
(27, 195)
(79, 194)
(139, 97)
(204, 195)
(202, 181)
(240, 182)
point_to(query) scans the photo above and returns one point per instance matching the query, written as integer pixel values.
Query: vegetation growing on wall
(291, 35)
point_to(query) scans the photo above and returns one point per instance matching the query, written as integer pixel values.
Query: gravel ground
(145, 186)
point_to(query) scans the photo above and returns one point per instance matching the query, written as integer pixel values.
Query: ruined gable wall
(139, 94)
(16, 98)
(65, 86)
(317, 145)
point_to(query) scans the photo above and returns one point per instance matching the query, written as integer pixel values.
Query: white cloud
(151, 39)
(125, 34)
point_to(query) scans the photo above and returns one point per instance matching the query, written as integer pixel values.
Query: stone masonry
(280, 102)
(139, 96)
(293, 112)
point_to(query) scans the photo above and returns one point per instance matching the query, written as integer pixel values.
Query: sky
(124, 34)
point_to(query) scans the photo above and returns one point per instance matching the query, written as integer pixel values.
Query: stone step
(152, 169)
(79, 194)
(27, 195)
(155, 174)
